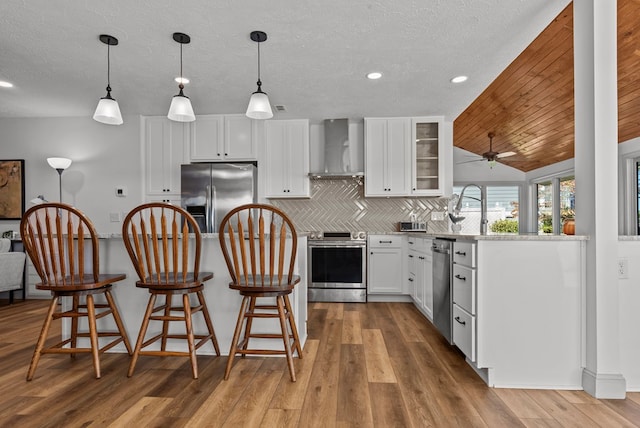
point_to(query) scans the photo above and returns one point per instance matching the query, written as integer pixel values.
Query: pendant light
(181, 110)
(108, 110)
(259, 106)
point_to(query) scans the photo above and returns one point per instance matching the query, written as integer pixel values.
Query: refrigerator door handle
(214, 204)
(208, 209)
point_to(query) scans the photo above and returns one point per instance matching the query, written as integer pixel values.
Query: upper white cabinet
(223, 138)
(165, 148)
(286, 158)
(387, 156)
(427, 168)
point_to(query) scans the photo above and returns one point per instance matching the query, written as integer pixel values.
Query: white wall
(103, 157)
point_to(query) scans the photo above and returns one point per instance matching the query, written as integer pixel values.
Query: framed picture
(11, 189)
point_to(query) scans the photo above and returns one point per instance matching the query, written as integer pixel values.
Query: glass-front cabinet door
(427, 168)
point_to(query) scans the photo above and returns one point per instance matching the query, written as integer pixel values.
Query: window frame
(555, 180)
(521, 195)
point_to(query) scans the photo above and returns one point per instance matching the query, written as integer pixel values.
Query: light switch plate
(114, 217)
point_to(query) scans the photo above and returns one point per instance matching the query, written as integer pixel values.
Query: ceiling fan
(491, 156)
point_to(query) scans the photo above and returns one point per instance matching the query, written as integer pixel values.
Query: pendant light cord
(181, 85)
(259, 81)
(109, 68)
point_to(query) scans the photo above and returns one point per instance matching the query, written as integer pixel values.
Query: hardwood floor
(367, 365)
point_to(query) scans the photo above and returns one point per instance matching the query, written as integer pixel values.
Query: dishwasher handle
(440, 250)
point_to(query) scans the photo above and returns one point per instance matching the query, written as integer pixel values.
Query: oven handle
(336, 245)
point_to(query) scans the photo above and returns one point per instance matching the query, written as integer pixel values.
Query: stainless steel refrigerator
(211, 190)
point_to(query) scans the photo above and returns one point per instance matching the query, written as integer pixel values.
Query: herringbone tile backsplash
(340, 205)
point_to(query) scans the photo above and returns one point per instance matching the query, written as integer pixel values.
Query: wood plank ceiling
(529, 105)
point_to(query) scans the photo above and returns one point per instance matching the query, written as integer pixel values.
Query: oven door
(337, 265)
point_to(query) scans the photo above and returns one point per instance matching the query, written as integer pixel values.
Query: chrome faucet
(483, 206)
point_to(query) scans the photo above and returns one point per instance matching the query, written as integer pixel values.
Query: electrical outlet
(114, 217)
(437, 215)
(623, 268)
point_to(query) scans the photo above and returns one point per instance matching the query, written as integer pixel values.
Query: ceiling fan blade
(505, 154)
(469, 161)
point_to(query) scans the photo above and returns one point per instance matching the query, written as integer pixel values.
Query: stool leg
(236, 337)
(207, 320)
(118, 320)
(285, 337)
(247, 330)
(190, 339)
(93, 334)
(165, 324)
(74, 324)
(42, 338)
(141, 334)
(292, 323)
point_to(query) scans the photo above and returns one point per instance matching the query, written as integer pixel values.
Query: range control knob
(362, 235)
(354, 235)
(312, 235)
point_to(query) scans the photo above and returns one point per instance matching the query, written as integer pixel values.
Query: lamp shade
(259, 106)
(108, 112)
(59, 163)
(181, 110)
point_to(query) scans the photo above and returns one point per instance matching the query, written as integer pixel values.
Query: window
(503, 203)
(556, 202)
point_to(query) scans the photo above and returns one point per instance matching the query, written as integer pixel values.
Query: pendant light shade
(181, 109)
(108, 110)
(259, 105)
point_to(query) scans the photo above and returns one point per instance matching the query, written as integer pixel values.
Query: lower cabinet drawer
(463, 283)
(464, 332)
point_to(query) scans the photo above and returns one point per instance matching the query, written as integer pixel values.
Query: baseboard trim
(606, 386)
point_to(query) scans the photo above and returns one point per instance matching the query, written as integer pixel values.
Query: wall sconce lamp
(59, 164)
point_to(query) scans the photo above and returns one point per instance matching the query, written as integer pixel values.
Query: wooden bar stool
(167, 261)
(54, 237)
(263, 270)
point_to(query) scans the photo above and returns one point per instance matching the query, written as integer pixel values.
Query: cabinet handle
(218, 154)
(414, 188)
(226, 154)
(410, 256)
(410, 279)
(460, 322)
(410, 242)
(385, 242)
(461, 253)
(421, 258)
(461, 278)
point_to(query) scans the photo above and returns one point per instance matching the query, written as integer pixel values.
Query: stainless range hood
(338, 152)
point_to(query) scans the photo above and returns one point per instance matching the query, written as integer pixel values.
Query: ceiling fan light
(108, 111)
(181, 109)
(259, 106)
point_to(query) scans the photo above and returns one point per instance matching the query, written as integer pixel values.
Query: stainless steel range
(337, 267)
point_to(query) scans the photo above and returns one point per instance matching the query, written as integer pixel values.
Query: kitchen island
(520, 308)
(223, 302)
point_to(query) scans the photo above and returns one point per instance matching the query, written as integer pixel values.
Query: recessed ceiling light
(374, 75)
(182, 80)
(459, 79)
(4, 84)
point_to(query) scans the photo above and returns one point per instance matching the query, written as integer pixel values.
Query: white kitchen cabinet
(286, 158)
(165, 146)
(427, 161)
(420, 272)
(223, 138)
(387, 156)
(384, 264)
(464, 291)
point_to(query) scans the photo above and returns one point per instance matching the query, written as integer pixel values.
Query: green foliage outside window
(505, 226)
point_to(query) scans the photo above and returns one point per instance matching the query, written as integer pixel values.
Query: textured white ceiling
(314, 61)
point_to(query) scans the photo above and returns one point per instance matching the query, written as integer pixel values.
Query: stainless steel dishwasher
(442, 287)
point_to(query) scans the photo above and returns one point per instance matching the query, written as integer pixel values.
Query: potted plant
(568, 221)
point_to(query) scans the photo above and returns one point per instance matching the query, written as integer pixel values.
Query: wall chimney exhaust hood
(339, 154)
